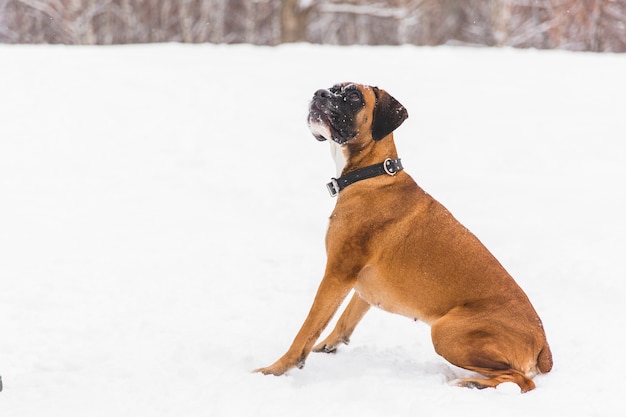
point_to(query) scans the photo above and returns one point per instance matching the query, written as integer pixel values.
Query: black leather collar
(388, 166)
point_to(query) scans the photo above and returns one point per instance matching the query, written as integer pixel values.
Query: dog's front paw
(324, 348)
(271, 370)
(330, 345)
(280, 367)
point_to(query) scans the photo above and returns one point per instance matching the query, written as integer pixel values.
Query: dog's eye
(354, 97)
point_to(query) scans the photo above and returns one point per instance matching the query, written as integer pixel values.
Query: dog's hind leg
(490, 348)
(346, 324)
(496, 378)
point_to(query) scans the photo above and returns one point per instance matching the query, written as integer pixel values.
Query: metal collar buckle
(333, 187)
(389, 167)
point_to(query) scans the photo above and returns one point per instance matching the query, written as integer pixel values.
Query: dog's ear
(388, 114)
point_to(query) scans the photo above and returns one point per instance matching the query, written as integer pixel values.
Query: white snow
(163, 210)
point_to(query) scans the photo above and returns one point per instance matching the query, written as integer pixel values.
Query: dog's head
(348, 111)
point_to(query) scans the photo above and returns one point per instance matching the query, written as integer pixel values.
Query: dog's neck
(339, 154)
(349, 158)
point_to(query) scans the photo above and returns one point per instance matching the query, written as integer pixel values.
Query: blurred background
(580, 25)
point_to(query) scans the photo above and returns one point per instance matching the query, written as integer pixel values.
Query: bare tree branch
(596, 25)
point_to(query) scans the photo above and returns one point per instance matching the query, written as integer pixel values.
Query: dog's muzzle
(319, 122)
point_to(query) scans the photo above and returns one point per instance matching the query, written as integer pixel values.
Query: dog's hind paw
(467, 383)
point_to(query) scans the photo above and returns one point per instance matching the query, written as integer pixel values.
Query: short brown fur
(402, 251)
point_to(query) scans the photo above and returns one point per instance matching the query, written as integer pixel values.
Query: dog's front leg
(330, 294)
(345, 326)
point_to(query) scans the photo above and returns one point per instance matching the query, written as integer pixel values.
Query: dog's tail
(544, 360)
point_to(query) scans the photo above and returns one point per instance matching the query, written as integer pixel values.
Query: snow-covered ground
(163, 210)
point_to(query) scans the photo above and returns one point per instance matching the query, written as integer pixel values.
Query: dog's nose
(322, 93)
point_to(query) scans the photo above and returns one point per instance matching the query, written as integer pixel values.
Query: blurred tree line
(590, 25)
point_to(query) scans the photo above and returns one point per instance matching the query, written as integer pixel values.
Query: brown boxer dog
(402, 251)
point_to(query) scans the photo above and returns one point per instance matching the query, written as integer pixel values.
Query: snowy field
(163, 211)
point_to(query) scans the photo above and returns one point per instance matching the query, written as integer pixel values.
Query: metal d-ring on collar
(388, 166)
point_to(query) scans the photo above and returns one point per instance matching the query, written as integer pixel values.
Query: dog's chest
(382, 292)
